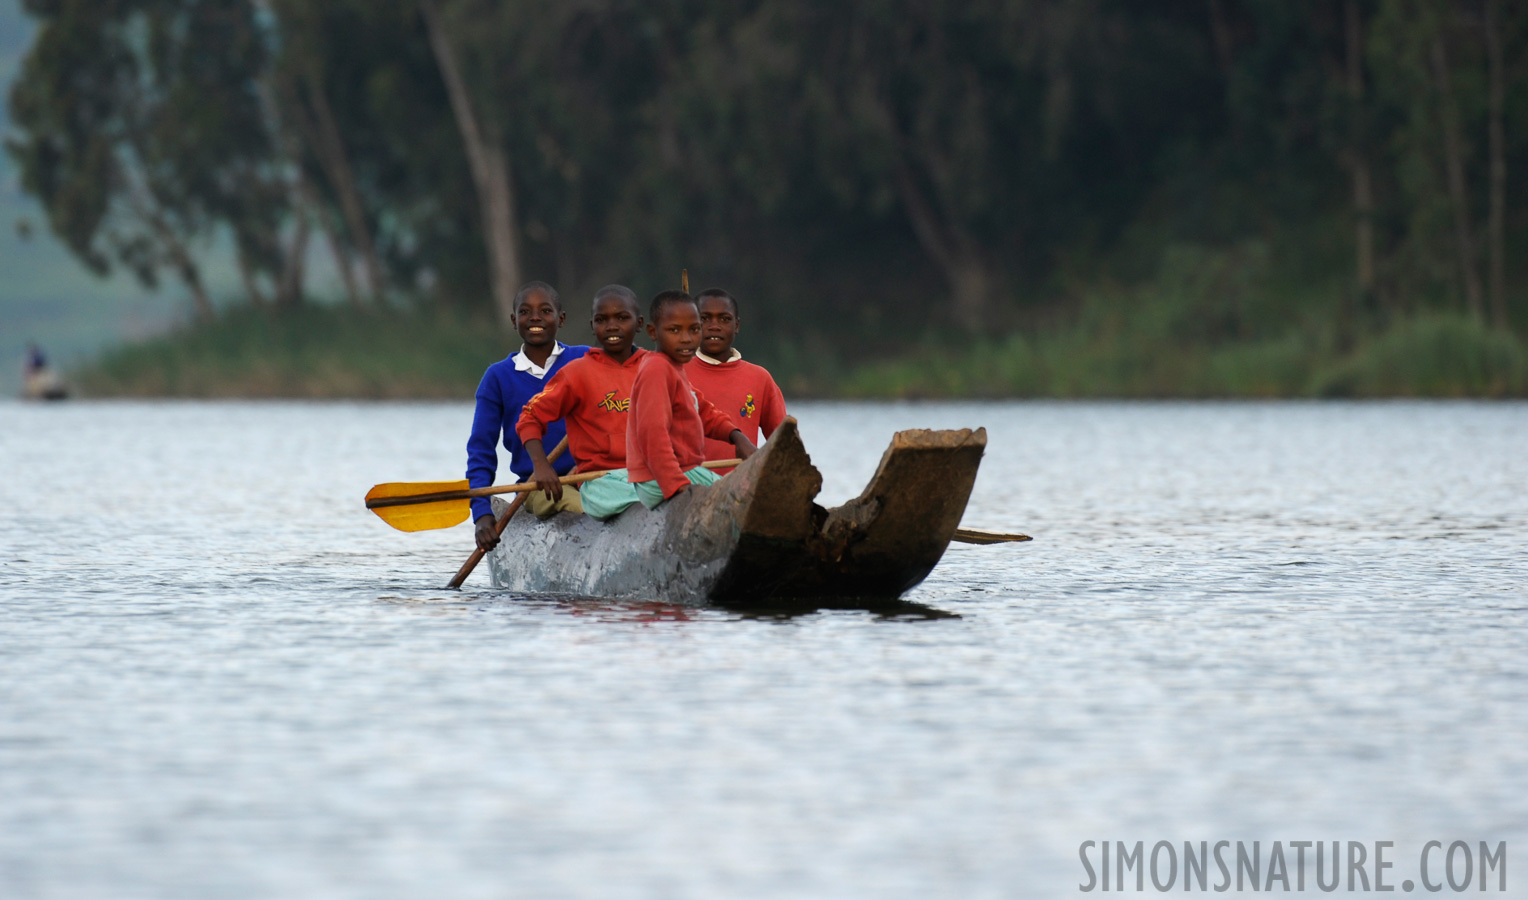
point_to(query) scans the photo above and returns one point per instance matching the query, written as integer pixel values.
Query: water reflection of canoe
(756, 534)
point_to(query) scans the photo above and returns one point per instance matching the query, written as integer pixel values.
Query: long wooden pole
(498, 527)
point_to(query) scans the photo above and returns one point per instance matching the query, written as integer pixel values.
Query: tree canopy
(866, 169)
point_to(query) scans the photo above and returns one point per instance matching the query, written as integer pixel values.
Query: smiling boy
(669, 421)
(506, 387)
(745, 391)
(592, 396)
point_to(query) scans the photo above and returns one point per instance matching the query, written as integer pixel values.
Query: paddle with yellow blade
(426, 505)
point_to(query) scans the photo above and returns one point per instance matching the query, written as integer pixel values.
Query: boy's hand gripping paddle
(498, 526)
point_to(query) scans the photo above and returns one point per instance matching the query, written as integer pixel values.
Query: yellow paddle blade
(426, 516)
(410, 488)
(421, 516)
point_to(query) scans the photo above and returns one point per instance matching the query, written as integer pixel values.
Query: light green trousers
(611, 495)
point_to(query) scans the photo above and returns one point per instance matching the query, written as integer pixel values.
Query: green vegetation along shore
(319, 352)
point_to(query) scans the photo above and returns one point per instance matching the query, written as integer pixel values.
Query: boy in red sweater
(669, 421)
(746, 391)
(592, 397)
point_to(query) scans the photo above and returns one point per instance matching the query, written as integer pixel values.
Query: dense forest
(1070, 196)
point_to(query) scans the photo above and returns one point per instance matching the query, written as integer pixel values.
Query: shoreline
(330, 353)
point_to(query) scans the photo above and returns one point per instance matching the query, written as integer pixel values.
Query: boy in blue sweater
(506, 386)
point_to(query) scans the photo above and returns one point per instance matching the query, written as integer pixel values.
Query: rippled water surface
(221, 677)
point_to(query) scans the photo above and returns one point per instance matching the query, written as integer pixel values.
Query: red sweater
(745, 392)
(668, 425)
(592, 394)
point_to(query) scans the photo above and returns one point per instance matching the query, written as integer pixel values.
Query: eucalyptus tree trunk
(294, 262)
(342, 263)
(175, 250)
(1363, 184)
(335, 160)
(305, 134)
(1496, 224)
(1222, 38)
(966, 269)
(489, 162)
(192, 278)
(1453, 161)
(251, 279)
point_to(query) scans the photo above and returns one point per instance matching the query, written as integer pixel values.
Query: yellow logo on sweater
(614, 405)
(748, 407)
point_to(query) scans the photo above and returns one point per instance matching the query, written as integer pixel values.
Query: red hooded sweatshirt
(668, 425)
(592, 395)
(744, 391)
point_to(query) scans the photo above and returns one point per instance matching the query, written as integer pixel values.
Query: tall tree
(140, 143)
(1452, 133)
(1358, 154)
(956, 118)
(483, 141)
(1496, 225)
(303, 89)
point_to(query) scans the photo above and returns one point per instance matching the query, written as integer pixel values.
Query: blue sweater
(500, 395)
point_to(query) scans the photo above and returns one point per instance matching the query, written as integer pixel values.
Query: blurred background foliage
(912, 198)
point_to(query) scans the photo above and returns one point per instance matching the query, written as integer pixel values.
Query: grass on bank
(1248, 320)
(1430, 356)
(339, 353)
(307, 352)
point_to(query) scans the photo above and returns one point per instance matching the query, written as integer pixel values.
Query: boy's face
(677, 332)
(537, 319)
(718, 327)
(615, 324)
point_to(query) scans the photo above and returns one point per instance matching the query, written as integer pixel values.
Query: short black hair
(619, 290)
(538, 287)
(718, 292)
(666, 298)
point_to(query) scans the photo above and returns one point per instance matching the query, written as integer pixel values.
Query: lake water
(221, 677)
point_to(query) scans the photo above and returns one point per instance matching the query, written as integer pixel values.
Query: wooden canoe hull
(757, 534)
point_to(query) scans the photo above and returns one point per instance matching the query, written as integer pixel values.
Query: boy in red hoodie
(669, 421)
(592, 398)
(746, 391)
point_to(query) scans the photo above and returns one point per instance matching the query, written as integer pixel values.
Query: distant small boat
(40, 382)
(756, 534)
(43, 384)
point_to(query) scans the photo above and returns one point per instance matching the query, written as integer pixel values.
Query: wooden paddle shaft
(497, 489)
(438, 496)
(498, 527)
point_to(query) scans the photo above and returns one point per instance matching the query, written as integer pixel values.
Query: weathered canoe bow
(756, 534)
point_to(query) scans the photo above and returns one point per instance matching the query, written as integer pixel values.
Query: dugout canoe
(757, 535)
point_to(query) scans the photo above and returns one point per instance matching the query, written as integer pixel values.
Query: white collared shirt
(734, 356)
(524, 364)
